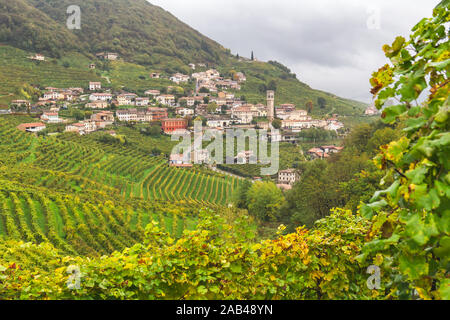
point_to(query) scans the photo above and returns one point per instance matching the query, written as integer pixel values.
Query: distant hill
(133, 28)
(146, 37)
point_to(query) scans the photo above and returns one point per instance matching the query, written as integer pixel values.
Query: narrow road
(226, 173)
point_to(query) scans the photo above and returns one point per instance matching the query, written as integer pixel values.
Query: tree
(265, 200)
(252, 56)
(321, 102)
(309, 106)
(212, 107)
(276, 123)
(272, 85)
(240, 195)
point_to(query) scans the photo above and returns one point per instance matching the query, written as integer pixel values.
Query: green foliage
(264, 200)
(410, 218)
(343, 180)
(219, 260)
(317, 135)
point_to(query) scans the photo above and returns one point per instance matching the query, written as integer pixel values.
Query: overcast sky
(332, 45)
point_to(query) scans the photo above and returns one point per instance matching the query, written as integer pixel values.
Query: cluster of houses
(99, 120)
(210, 80)
(323, 152)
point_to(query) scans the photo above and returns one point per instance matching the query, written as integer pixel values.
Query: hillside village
(214, 101)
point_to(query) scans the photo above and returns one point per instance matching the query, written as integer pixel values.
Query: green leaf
(202, 290)
(414, 266)
(391, 113)
(444, 289)
(439, 65)
(236, 267)
(417, 175)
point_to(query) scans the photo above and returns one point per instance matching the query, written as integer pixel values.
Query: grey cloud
(326, 42)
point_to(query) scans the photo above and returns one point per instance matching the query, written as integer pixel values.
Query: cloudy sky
(332, 45)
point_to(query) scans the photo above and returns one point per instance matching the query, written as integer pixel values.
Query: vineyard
(126, 168)
(91, 198)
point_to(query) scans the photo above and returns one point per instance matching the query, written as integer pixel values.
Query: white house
(100, 97)
(166, 99)
(179, 77)
(184, 111)
(142, 102)
(289, 176)
(218, 122)
(95, 86)
(51, 117)
(153, 93)
(31, 127)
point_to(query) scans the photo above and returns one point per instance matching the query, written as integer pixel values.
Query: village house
(171, 126)
(334, 125)
(67, 95)
(192, 66)
(298, 115)
(107, 117)
(371, 111)
(155, 75)
(51, 95)
(75, 127)
(100, 97)
(317, 153)
(52, 89)
(157, 114)
(126, 99)
(212, 74)
(183, 111)
(166, 99)
(190, 101)
(20, 103)
(331, 149)
(92, 66)
(240, 77)
(246, 157)
(77, 90)
(127, 115)
(82, 127)
(201, 109)
(51, 117)
(227, 83)
(97, 105)
(179, 77)
(38, 57)
(247, 113)
(31, 127)
(179, 160)
(95, 86)
(153, 93)
(289, 176)
(108, 55)
(218, 122)
(142, 102)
